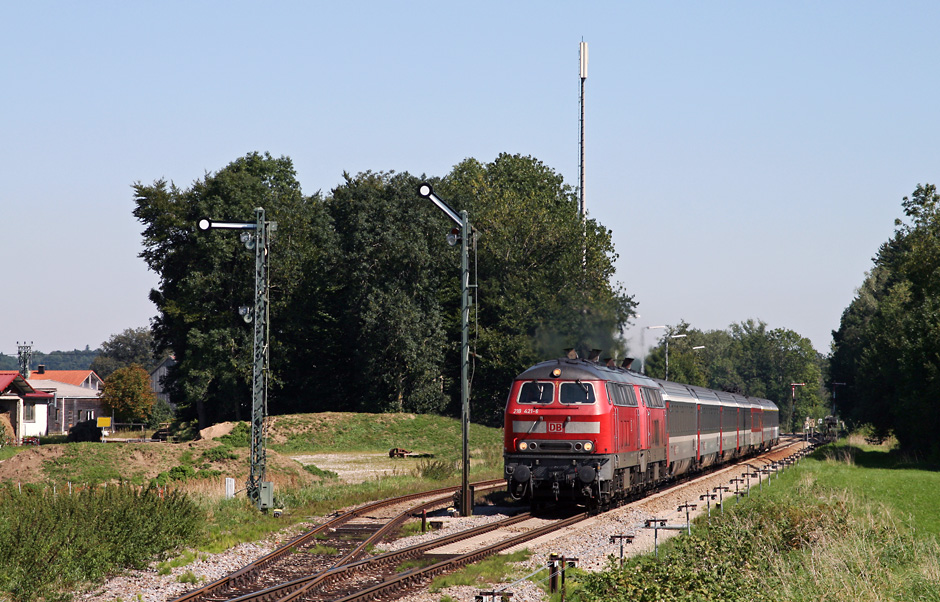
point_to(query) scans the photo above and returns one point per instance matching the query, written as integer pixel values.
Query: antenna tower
(584, 69)
(24, 352)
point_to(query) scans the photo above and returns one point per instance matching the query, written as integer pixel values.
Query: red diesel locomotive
(583, 432)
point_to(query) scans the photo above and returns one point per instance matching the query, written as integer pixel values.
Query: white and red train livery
(579, 431)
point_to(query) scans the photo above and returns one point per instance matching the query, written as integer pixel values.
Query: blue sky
(749, 157)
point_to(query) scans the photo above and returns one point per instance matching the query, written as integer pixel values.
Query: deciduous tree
(127, 394)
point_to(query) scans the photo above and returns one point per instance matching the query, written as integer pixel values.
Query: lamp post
(793, 387)
(834, 385)
(643, 370)
(255, 235)
(464, 231)
(673, 336)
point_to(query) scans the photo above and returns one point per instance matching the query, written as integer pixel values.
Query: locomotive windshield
(536, 392)
(577, 392)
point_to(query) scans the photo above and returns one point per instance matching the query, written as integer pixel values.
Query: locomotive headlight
(523, 446)
(556, 372)
(588, 446)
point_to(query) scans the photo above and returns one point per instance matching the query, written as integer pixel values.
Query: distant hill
(56, 360)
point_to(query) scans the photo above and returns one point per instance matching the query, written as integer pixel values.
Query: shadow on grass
(886, 459)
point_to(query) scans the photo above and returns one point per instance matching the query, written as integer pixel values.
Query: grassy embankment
(199, 470)
(852, 522)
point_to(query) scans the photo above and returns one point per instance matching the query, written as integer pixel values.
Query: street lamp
(643, 344)
(793, 387)
(674, 336)
(256, 235)
(834, 385)
(463, 232)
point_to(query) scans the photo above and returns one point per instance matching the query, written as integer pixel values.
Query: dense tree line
(750, 359)
(365, 290)
(887, 348)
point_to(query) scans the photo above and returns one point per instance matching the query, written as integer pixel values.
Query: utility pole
(256, 235)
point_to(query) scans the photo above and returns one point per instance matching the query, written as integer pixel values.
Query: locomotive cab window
(536, 392)
(577, 392)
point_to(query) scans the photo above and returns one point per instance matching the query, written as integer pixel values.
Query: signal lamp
(453, 237)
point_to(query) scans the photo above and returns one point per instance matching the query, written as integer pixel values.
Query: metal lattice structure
(259, 491)
(259, 375)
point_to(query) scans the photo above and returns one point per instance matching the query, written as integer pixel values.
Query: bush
(239, 437)
(85, 431)
(219, 454)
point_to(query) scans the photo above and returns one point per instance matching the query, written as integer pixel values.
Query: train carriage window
(577, 392)
(536, 392)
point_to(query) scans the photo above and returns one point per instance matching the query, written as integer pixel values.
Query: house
(78, 378)
(157, 376)
(23, 409)
(69, 403)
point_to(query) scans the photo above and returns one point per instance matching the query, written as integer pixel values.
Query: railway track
(308, 553)
(327, 563)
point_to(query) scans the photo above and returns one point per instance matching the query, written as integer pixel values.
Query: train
(594, 433)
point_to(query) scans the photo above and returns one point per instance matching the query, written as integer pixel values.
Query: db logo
(556, 427)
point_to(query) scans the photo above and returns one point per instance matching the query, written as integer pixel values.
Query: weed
(322, 550)
(435, 470)
(86, 535)
(494, 569)
(188, 577)
(323, 474)
(415, 563)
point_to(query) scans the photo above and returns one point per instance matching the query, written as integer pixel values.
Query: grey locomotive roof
(580, 369)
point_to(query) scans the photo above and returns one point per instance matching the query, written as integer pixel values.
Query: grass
(8, 451)
(849, 523)
(495, 569)
(226, 523)
(49, 543)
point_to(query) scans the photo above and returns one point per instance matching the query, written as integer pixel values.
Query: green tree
(545, 277)
(127, 394)
(131, 346)
(205, 276)
(686, 364)
(886, 349)
(749, 359)
(387, 278)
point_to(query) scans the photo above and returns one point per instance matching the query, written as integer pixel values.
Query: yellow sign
(104, 423)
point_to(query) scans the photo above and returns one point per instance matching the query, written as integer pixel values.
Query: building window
(29, 412)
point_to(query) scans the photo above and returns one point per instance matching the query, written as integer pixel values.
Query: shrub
(219, 454)
(240, 436)
(85, 431)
